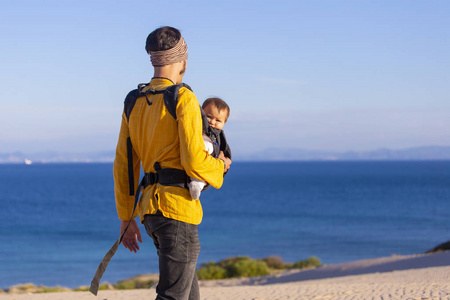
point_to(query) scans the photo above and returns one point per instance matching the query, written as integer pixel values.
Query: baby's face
(216, 118)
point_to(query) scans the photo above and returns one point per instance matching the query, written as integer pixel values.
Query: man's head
(167, 50)
(217, 112)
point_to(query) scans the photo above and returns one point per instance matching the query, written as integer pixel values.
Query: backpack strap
(130, 166)
(129, 102)
(171, 98)
(131, 98)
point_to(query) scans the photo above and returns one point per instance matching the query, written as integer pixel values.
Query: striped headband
(170, 56)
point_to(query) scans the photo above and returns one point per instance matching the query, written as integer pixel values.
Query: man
(160, 142)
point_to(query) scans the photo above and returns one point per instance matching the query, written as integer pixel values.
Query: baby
(217, 111)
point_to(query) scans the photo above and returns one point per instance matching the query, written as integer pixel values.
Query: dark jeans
(178, 248)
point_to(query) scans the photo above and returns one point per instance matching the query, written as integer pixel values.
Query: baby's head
(217, 112)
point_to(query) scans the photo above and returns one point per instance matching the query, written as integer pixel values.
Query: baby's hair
(219, 103)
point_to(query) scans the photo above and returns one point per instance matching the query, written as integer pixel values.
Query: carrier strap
(130, 166)
(168, 177)
(106, 259)
(171, 98)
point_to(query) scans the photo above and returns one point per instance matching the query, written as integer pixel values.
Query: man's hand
(226, 160)
(132, 235)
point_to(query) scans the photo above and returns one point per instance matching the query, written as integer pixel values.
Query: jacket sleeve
(195, 159)
(124, 194)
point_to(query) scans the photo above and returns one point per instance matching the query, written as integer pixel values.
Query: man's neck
(168, 72)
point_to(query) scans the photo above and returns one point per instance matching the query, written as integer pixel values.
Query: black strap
(131, 98)
(152, 92)
(149, 179)
(129, 102)
(169, 177)
(130, 166)
(173, 177)
(107, 258)
(171, 97)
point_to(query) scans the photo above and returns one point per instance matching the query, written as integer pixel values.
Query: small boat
(28, 162)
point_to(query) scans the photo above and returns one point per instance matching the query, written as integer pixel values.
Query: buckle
(149, 179)
(153, 178)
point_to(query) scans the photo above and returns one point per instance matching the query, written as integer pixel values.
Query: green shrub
(29, 288)
(211, 271)
(247, 268)
(233, 267)
(232, 260)
(102, 287)
(49, 289)
(244, 266)
(307, 263)
(105, 286)
(132, 284)
(275, 262)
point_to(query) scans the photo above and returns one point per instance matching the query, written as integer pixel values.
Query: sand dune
(424, 276)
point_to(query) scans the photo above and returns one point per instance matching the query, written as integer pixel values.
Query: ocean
(58, 220)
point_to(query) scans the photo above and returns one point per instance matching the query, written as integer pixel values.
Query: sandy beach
(425, 276)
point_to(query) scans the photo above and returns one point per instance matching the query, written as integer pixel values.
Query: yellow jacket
(157, 137)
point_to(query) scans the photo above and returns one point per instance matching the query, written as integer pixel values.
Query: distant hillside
(271, 154)
(55, 157)
(417, 153)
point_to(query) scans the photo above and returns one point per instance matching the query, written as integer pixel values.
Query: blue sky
(317, 75)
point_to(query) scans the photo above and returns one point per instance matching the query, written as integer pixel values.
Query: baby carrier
(169, 176)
